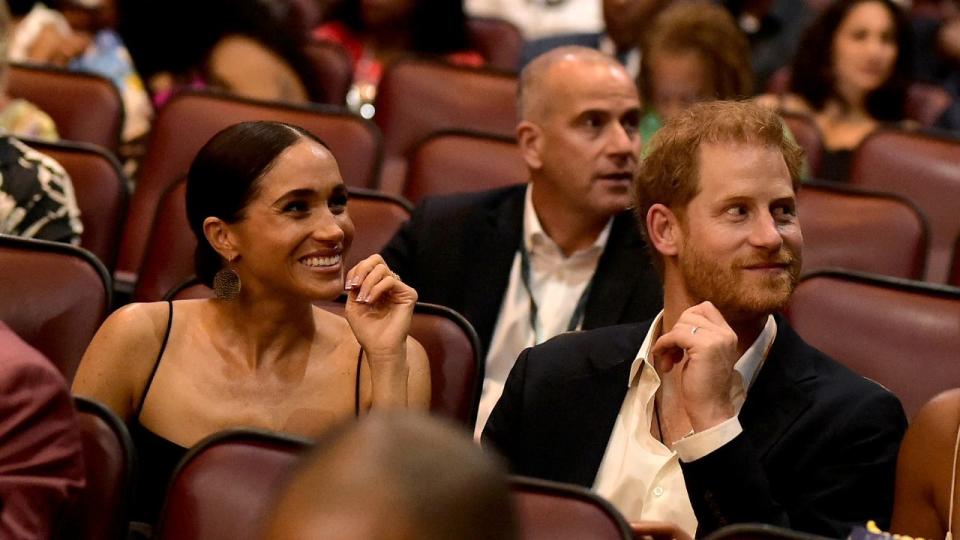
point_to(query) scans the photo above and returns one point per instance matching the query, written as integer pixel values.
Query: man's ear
(530, 141)
(663, 228)
(220, 237)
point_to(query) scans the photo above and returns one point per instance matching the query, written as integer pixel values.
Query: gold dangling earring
(226, 284)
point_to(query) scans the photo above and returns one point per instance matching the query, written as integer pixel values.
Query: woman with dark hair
(850, 76)
(374, 33)
(269, 210)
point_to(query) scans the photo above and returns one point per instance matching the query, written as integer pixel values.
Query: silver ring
(693, 330)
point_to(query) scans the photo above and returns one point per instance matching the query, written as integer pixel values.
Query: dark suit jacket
(457, 251)
(817, 454)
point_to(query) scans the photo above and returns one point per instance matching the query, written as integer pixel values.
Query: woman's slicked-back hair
(438, 26)
(812, 74)
(223, 179)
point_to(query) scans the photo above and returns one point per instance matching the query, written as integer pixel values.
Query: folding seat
(923, 168)
(101, 189)
(110, 461)
(190, 119)
(903, 334)
(497, 40)
(54, 296)
(225, 484)
(168, 260)
(418, 97)
(458, 160)
(85, 107)
(860, 230)
(332, 72)
(555, 511)
(807, 135)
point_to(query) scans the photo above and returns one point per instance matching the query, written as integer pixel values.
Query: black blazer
(817, 454)
(457, 250)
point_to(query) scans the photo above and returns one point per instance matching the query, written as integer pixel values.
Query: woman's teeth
(320, 261)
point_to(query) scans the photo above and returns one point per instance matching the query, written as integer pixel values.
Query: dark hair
(812, 73)
(436, 26)
(223, 179)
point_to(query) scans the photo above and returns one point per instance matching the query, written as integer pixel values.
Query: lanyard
(575, 319)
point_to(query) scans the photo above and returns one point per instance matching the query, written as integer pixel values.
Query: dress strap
(356, 390)
(953, 486)
(156, 364)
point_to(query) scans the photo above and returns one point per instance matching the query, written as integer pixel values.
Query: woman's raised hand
(379, 308)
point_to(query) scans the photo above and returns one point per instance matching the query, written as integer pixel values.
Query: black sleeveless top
(159, 457)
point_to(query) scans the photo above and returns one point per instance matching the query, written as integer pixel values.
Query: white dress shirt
(536, 19)
(639, 474)
(557, 283)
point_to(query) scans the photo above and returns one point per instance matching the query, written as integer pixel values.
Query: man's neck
(570, 230)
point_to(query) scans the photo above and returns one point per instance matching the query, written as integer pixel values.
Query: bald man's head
(540, 79)
(395, 476)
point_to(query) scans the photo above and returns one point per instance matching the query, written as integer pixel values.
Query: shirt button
(657, 491)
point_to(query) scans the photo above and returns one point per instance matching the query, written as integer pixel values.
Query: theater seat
(808, 136)
(498, 41)
(85, 107)
(457, 161)
(418, 97)
(859, 230)
(923, 168)
(101, 190)
(555, 511)
(903, 334)
(190, 119)
(955, 265)
(332, 72)
(225, 484)
(54, 296)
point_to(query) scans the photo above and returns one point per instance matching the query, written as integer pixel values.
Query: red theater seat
(555, 511)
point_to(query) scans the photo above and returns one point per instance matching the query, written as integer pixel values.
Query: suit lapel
(618, 273)
(491, 243)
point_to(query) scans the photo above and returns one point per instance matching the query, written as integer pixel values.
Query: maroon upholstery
(190, 119)
(101, 190)
(498, 41)
(955, 266)
(858, 230)
(169, 257)
(452, 345)
(85, 107)
(902, 334)
(332, 72)
(926, 103)
(54, 296)
(457, 161)
(108, 456)
(807, 135)
(554, 511)
(924, 169)
(418, 97)
(224, 485)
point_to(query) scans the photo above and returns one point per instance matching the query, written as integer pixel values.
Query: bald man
(395, 476)
(557, 253)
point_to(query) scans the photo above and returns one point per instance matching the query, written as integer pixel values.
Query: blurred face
(587, 139)
(864, 50)
(625, 20)
(378, 13)
(741, 240)
(678, 80)
(296, 230)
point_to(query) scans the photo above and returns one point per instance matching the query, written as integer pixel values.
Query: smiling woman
(270, 213)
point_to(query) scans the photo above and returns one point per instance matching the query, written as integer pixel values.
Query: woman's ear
(220, 237)
(663, 228)
(530, 141)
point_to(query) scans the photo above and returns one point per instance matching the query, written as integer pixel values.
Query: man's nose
(766, 233)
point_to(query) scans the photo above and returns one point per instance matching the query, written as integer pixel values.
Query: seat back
(418, 97)
(924, 169)
(457, 161)
(903, 334)
(955, 266)
(101, 190)
(85, 107)
(169, 257)
(189, 120)
(926, 103)
(332, 71)
(498, 41)
(225, 484)
(110, 462)
(808, 136)
(554, 511)
(54, 296)
(859, 230)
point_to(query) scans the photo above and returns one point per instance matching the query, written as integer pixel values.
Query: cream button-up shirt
(639, 474)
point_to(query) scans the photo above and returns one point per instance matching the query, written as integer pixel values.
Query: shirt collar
(534, 235)
(747, 366)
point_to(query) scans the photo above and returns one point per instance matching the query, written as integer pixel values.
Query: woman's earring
(226, 284)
